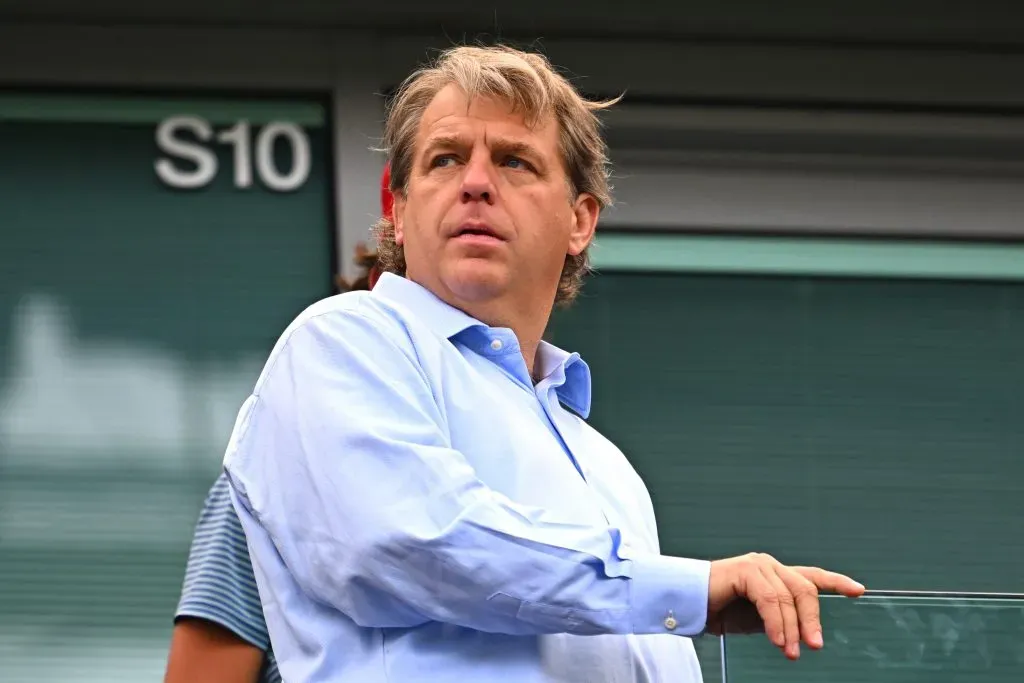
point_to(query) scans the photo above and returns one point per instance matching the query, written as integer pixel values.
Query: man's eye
(516, 162)
(442, 161)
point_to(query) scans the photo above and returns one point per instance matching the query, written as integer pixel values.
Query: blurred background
(806, 327)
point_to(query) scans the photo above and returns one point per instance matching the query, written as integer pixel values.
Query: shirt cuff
(669, 595)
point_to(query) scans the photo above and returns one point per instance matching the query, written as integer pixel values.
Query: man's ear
(397, 218)
(586, 211)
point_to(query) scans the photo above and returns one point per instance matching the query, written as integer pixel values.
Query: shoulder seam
(354, 312)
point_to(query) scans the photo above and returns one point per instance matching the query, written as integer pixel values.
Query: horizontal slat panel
(778, 198)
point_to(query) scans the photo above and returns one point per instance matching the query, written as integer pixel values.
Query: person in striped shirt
(220, 635)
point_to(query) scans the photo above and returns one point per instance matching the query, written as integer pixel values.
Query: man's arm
(219, 633)
(205, 652)
(342, 457)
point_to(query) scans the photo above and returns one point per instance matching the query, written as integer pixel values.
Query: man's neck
(528, 325)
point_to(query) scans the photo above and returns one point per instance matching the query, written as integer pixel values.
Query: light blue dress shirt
(418, 509)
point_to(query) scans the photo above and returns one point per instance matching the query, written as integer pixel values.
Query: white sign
(171, 142)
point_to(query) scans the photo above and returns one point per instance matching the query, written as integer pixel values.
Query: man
(418, 503)
(220, 635)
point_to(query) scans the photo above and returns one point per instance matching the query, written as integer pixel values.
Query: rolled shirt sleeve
(342, 457)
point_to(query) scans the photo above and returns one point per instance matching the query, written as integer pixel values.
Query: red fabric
(387, 199)
(387, 210)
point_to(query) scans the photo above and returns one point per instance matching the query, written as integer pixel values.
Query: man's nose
(477, 181)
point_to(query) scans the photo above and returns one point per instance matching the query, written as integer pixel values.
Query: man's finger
(761, 592)
(787, 606)
(831, 581)
(808, 608)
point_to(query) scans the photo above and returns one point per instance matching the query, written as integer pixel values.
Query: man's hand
(756, 593)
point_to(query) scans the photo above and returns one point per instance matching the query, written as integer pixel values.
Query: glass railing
(894, 637)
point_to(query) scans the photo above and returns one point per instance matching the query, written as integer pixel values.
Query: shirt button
(496, 344)
(671, 623)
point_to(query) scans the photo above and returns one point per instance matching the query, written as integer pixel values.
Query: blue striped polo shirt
(219, 582)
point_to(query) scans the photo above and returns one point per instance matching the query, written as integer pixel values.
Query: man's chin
(478, 280)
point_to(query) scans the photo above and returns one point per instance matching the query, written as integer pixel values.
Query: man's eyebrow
(516, 147)
(445, 141)
(504, 146)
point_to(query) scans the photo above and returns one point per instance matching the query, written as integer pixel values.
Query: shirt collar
(568, 372)
(570, 375)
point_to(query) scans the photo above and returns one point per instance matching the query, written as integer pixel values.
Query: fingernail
(859, 585)
(816, 640)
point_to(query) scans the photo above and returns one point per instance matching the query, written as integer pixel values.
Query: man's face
(488, 215)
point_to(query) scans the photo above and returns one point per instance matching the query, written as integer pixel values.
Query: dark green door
(872, 426)
(134, 318)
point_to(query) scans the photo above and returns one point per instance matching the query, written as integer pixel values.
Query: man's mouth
(477, 233)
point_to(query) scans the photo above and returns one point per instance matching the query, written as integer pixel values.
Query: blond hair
(532, 87)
